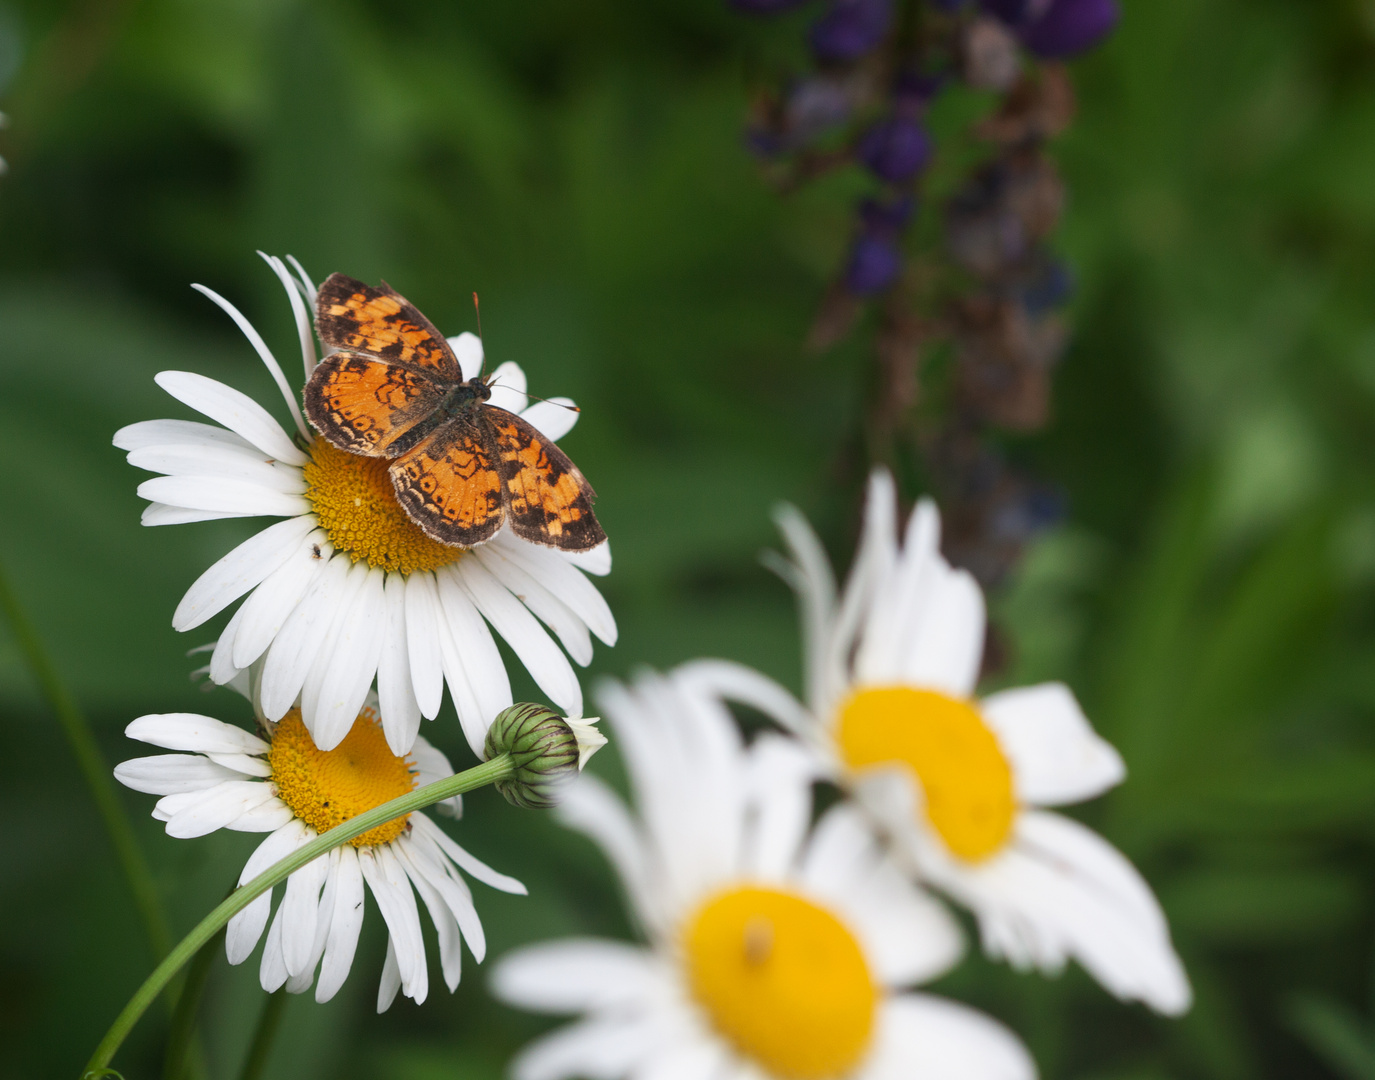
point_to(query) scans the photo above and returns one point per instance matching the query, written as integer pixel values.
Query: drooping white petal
(342, 940)
(426, 858)
(247, 926)
(476, 652)
(551, 569)
(239, 571)
(300, 914)
(212, 809)
(553, 418)
(423, 642)
(294, 648)
(196, 733)
(391, 979)
(445, 925)
(577, 975)
(920, 1035)
(1055, 754)
(469, 864)
(352, 661)
(345, 610)
(528, 640)
(396, 699)
(265, 611)
(272, 971)
(508, 387)
(298, 310)
(395, 899)
(236, 411)
(170, 774)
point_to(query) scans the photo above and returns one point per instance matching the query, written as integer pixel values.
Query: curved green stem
(488, 772)
(269, 1020)
(94, 770)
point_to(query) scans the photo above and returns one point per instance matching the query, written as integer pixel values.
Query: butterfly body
(461, 466)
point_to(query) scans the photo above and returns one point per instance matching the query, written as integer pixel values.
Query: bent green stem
(94, 770)
(269, 1020)
(488, 772)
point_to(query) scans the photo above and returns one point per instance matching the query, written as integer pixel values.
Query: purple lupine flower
(1069, 27)
(850, 28)
(876, 256)
(895, 149)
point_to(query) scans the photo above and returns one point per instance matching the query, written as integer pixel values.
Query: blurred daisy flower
(774, 950)
(283, 784)
(346, 588)
(956, 782)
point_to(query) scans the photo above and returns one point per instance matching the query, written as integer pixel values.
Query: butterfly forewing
(547, 498)
(381, 322)
(449, 485)
(365, 405)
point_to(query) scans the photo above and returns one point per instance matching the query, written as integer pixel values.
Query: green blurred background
(1211, 596)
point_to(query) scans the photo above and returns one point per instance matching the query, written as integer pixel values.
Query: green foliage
(1210, 597)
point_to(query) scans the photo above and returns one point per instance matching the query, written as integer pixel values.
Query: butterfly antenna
(477, 309)
(536, 397)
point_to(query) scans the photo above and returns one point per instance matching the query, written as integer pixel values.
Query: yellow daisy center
(964, 776)
(325, 788)
(352, 495)
(783, 980)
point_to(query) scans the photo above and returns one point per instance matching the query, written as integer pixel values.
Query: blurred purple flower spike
(1070, 27)
(895, 149)
(876, 257)
(850, 28)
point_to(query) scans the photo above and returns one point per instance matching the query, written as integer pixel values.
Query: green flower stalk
(547, 750)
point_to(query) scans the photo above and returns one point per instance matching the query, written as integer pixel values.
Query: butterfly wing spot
(364, 405)
(546, 496)
(449, 487)
(383, 323)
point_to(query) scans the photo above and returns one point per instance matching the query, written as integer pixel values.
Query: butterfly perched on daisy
(461, 467)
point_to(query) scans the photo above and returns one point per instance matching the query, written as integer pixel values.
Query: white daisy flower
(957, 782)
(284, 785)
(346, 588)
(773, 951)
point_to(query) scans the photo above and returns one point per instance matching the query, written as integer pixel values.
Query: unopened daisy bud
(546, 749)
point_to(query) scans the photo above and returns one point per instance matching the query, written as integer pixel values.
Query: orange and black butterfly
(461, 466)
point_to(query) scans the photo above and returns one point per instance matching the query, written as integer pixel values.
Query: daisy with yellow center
(283, 784)
(346, 589)
(775, 950)
(957, 783)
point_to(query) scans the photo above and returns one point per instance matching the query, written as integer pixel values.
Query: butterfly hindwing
(547, 498)
(364, 405)
(449, 485)
(381, 322)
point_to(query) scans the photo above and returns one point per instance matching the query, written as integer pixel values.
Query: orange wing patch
(450, 486)
(352, 315)
(548, 499)
(364, 405)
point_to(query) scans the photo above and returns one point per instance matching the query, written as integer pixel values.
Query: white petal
(304, 329)
(221, 667)
(391, 979)
(426, 859)
(300, 913)
(1055, 754)
(472, 665)
(780, 777)
(470, 864)
(247, 926)
(352, 662)
(216, 807)
(809, 575)
(604, 1048)
(161, 514)
(553, 612)
(199, 734)
(549, 567)
(508, 387)
(294, 648)
(945, 652)
(268, 817)
(467, 348)
(265, 611)
(596, 561)
(553, 418)
(736, 682)
(169, 774)
(576, 975)
(169, 433)
(342, 940)
(445, 925)
(272, 971)
(392, 891)
(239, 571)
(591, 808)
(215, 462)
(222, 496)
(423, 642)
(238, 412)
(395, 696)
(528, 640)
(920, 1035)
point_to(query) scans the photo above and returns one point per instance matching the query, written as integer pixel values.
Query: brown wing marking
(364, 405)
(546, 496)
(351, 315)
(449, 485)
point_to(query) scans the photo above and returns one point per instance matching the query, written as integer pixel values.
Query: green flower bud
(546, 750)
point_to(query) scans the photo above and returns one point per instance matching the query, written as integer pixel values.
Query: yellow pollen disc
(353, 497)
(783, 980)
(325, 788)
(963, 774)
